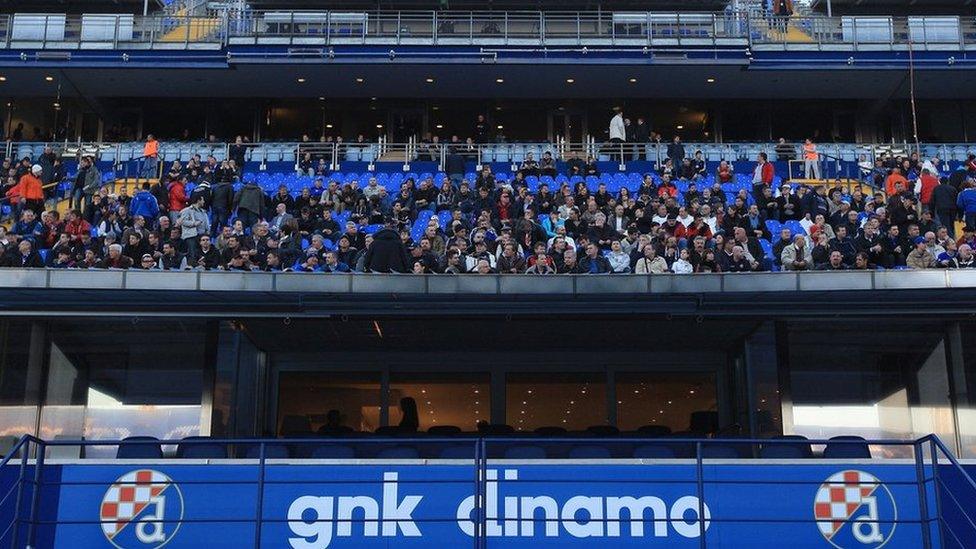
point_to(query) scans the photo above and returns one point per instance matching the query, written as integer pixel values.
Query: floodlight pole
(830, 11)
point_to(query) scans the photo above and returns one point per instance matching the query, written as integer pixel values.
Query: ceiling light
(430, 80)
(379, 126)
(360, 80)
(49, 78)
(710, 80)
(434, 108)
(680, 127)
(633, 80)
(3, 78)
(500, 127)
(439, 126)
(321, 98)
(329, 126)
(570, 80)
(301, 80)
(500, 80)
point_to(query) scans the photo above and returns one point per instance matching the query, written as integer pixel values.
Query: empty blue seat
(787, 450)
(146, 450)
(460, 451)
(589, 452)
(398, 452)
(271, 451)
(525, 452)
(847, 447)
(654, 451)
(720, 451)
(333, 451)
(197, 448)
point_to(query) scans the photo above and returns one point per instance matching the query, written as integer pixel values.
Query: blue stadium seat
(333, 451)
(444, 430)
(856, 449)
(139, 451)
(398, 452)
(784, 450)
(525, 452)
(200, 449)
(720, 451)
(654, 451)
(271, 451)
(459, 451)
(589, 452)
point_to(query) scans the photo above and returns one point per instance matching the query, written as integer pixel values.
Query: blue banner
(543, 504)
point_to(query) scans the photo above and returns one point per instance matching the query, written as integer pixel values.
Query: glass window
(461, 400)
(572, 401)
(663, 399)
(111, 380)
(18, 409)
(889, 383)
(305, 399)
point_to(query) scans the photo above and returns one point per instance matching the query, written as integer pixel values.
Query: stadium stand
(714, 208)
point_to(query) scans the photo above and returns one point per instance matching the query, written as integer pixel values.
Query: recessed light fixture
(570, 80)
(500, 127)
(633, 80)
(57, 105)
(500, 80)
(435, 108)
(710, 80)
(329, 126)
(498, 108)
(49, 78)
(321, 98)
(439, 126)
(3, 78)
(372, 99)
(430, 80)
(301, 80)
(360, 80)
(379, 126)
(680, 127)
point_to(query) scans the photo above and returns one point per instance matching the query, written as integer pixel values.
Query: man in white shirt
(618, 130)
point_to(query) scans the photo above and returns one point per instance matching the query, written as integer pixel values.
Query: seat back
(589, 451)
(332, 451)
(200, 450)
(857, 449)
(654, 451)
(398, 452)
(525, 452)
(792, 450)
(139, 451)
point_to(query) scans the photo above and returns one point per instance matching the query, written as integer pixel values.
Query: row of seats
(671, 447)
(504, 152)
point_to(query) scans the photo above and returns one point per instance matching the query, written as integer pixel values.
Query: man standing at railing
(811, 160)
(150, 152)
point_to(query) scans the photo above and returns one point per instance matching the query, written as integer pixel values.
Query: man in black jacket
(593, 262)
(386, 253)
(222, 196)
(944, 205)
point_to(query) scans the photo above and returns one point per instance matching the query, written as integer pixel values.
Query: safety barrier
(185, 29)
(490, 491)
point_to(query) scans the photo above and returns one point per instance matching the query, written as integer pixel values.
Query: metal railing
(834, 155)
(940, 513)
(236, 25)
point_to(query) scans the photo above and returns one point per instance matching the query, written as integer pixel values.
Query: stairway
(194, 29)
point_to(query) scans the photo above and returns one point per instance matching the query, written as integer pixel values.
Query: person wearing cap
(28, 193)
(920, 257)
(788, 204)
(148, 263)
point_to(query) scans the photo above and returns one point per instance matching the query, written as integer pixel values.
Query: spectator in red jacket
(762, 175)
(924, 187)
(177, 197)
(76, 226)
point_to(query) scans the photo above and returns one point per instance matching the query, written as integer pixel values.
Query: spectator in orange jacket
(151, 153)
(30, 190)
(892, 181)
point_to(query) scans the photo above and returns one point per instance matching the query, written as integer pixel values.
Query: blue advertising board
(318, 505)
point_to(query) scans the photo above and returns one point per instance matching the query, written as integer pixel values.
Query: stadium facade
(250, 402)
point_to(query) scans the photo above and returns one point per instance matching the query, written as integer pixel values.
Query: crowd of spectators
(681, 219)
